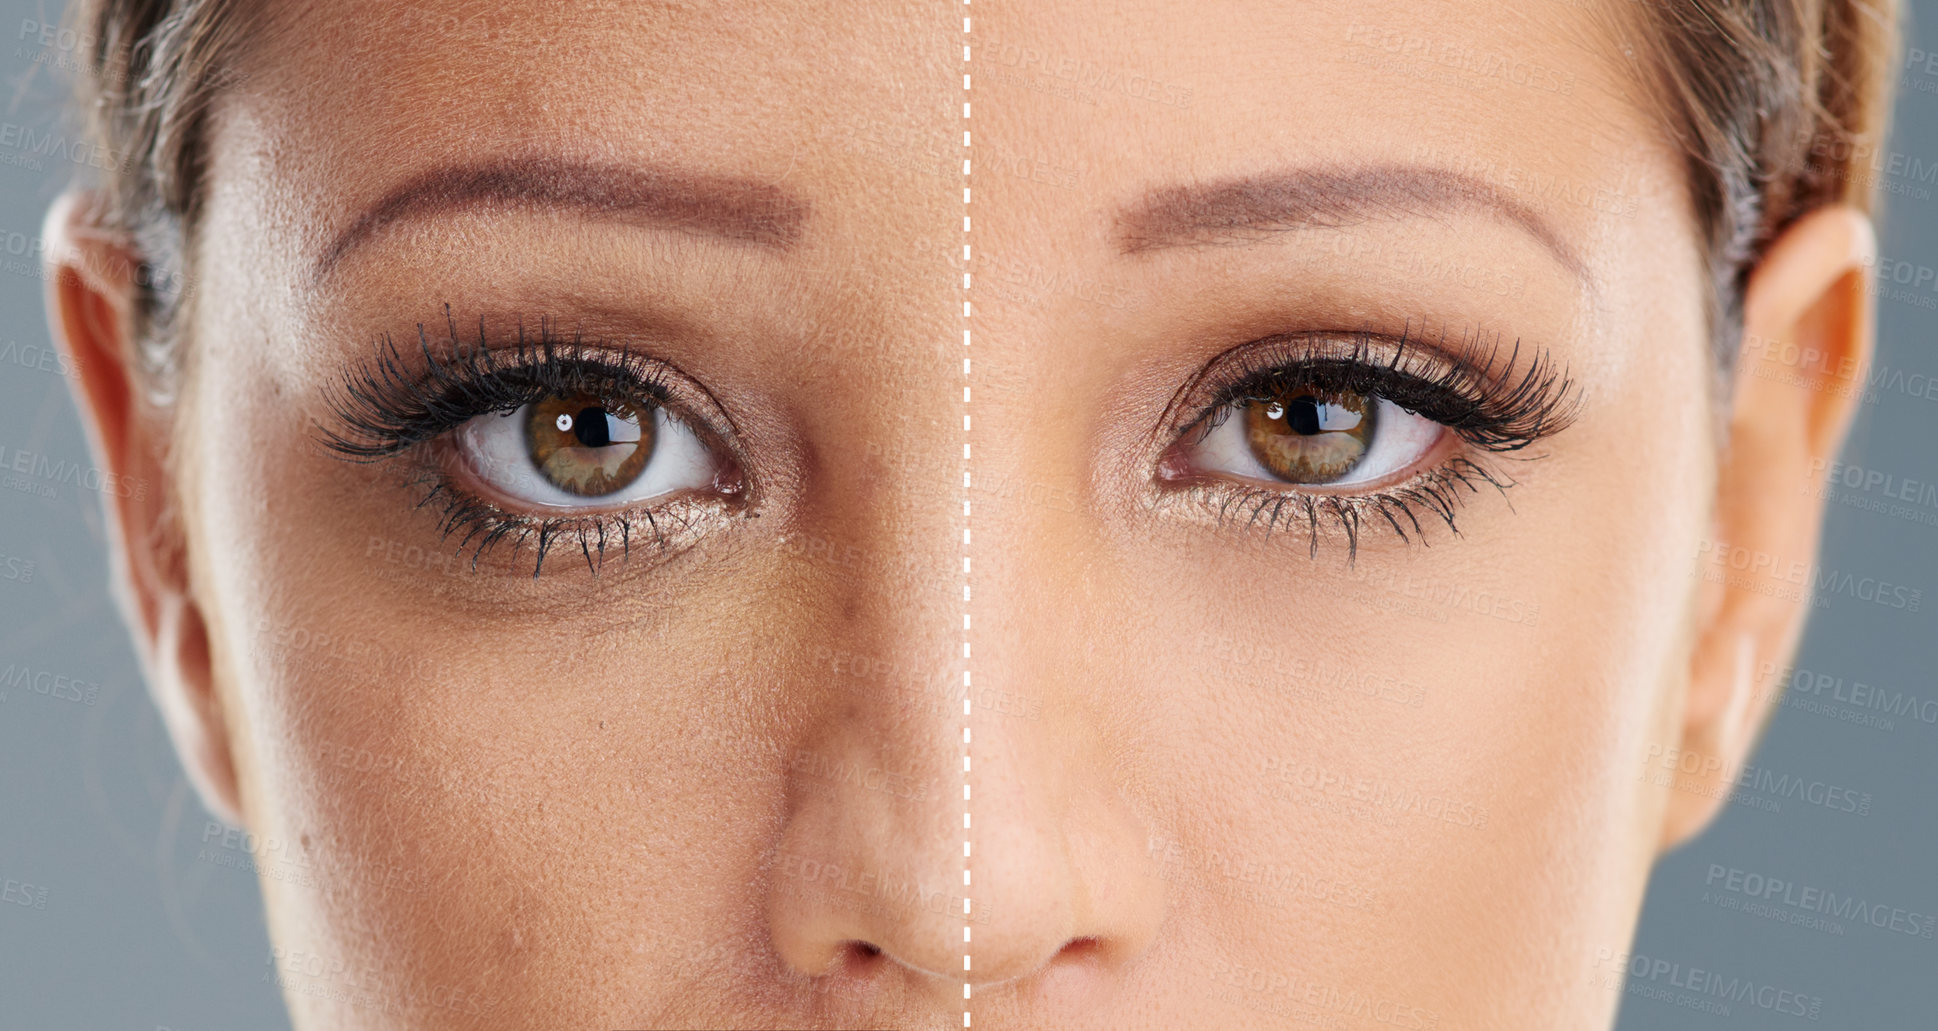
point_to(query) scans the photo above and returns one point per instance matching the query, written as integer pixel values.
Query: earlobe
(1807, 338)
(91, 276)
(192, 708)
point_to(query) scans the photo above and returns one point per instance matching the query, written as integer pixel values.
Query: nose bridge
(869, 857)
(953, 815)
(1061, 861)
(1061, 848)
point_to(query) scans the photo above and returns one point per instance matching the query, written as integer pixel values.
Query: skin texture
(1217, 781)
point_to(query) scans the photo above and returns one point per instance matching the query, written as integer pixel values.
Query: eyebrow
(1248, 208)
(731, 208)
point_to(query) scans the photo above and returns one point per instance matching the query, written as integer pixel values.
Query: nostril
(1086, 947)
(858, 958)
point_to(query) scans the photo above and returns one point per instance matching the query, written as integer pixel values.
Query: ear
(90, 296)
(1807, 338)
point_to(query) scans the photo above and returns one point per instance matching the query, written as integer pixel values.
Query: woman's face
(1229, 763)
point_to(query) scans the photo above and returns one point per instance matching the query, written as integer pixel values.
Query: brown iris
(589, 446)
(1307, 435)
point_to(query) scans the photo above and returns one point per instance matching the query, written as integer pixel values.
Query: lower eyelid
(1426, 503)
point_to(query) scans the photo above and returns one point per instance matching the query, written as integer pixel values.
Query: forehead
(1279, 69)
(714, 85)
(1535, 100)
(337, 104)
(857, 105)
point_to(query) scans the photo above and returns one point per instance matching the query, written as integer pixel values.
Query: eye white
(495, 450)
(1400, 438)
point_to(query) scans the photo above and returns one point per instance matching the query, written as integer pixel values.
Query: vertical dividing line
(966, 903)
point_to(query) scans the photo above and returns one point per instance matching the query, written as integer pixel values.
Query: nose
(880, 875)
(1058, 862)
(942, 845)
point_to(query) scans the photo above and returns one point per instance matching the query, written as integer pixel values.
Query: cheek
(495, 803)
(1449, 739)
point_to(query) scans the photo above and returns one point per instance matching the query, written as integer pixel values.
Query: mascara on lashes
(1483, 395)
(381, 410)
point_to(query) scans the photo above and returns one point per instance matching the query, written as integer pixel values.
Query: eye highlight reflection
(584, 447)
(580, 451)
(1313, 436)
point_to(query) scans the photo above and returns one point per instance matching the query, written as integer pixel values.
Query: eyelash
(1465, 386)
(381, 410)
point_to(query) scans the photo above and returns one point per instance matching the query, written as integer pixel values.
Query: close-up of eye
(577, 451)
(1310, 436)
(538, 441)
(1323, 433)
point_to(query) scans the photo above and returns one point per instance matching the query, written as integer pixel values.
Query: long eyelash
(594, 533)
(1439, 492)
(1472, 390)
(381, 410)
(1472, 387)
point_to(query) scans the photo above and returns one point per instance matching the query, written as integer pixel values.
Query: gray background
(115, 913)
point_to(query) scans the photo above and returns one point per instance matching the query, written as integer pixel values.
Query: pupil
(590, 427)
(1303, 416)
(587, 446)
(1310, 435)
(1309, 416)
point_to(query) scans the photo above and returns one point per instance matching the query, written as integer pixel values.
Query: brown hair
(1777, 105)
(152, 69)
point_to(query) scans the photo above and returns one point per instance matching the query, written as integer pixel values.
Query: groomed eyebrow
(730, 208)
(1250, 208)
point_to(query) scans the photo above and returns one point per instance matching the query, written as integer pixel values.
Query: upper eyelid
(1515, 375)
(1236, 390)
(381, 386)
(596, 352)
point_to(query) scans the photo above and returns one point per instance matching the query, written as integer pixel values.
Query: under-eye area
(541, 439)
(1333, 433)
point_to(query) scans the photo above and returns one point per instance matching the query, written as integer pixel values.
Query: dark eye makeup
(1325, 432)
(587, 411)
(1292, 414)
